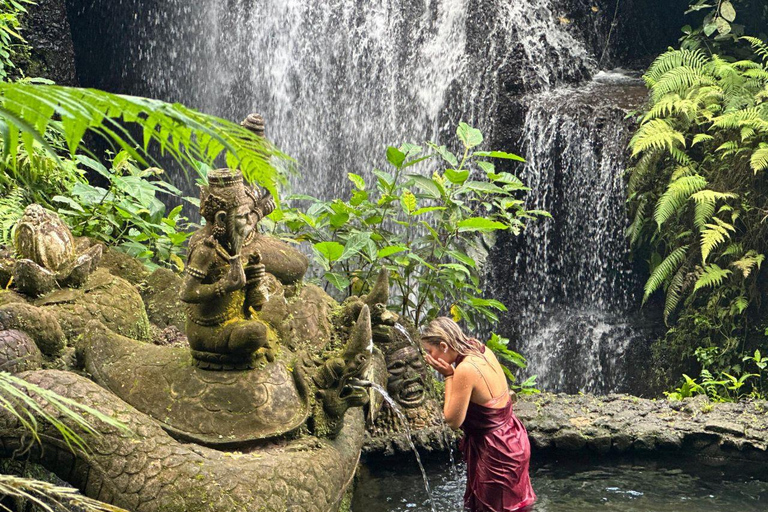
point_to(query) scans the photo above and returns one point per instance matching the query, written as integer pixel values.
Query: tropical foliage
(698, 197)
(428, 228)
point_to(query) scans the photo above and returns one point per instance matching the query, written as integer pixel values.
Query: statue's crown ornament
(225, 191)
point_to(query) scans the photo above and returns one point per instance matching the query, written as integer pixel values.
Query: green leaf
(487, 167)
(445, 154)
(455, 176)
(330, 251)
(712, 275)
(69, 202)
(355, 244)
(426, 185)
(409, 201)
(727, 11)
(428, 209)
(456, 266)
(499, 154)
(339, 281)
(339, 219)
(462, 258)
(390, 250)
(471, 137)
(357, 180)
(395, 156)
(480, 224)
(484, 187)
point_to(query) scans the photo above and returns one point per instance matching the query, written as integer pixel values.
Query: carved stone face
(407, 377)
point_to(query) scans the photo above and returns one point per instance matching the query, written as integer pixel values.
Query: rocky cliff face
(52, 53)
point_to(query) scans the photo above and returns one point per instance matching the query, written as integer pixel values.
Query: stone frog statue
(223, 288)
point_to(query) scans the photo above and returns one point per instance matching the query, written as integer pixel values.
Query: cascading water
(338, 81)
(571, 284)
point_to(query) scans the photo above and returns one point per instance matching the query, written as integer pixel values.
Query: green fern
(656, 134)
(676, 195)
(671, 60)
(758, 46)
(713, 236)
(11, 209)
(674, 293)
(664, 271)
(679, 80)
(759, 159)
(706, 201)
(711, 276)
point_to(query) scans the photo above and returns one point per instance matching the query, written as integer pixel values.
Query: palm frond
(28, 111)
(22, 399)
(49, 497)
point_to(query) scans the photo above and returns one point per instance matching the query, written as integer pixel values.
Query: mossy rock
(303, 319)
(281, 260)
(109, 299)
(160, 292)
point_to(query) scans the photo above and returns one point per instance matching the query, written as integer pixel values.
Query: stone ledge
(621, 424)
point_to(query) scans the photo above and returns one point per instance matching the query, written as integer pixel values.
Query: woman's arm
(458, 391)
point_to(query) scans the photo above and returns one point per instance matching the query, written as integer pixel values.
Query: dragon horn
(361, 339)
(379, 294)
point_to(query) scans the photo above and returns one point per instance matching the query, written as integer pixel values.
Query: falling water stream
(404, 420)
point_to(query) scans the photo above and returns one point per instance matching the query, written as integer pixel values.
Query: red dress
(498, 453)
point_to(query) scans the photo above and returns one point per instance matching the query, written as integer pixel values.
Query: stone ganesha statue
(221, 289)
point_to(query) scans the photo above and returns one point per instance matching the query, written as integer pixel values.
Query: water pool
(571, 487)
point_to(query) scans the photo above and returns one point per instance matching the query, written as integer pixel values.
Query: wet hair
(444, 329)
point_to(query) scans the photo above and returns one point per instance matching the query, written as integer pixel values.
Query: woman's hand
(441, 366)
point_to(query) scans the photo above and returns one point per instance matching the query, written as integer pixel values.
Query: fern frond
(672, 59)
(665, 269)
(758, 46)
(674, 293)
(676, 195)
(679, 80)
(701, 137)
(750, 260)
(656, 134)
(736, 249)
(714, 235)
(644, 167)
(759, 159)
(635, 229)
(712, 275)
(11, 209)
(737, 119)
(706, 201)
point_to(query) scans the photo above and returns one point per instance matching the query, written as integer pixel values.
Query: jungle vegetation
(698, 198)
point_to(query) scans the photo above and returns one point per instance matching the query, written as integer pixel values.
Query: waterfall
(338, 81)
(571, 284)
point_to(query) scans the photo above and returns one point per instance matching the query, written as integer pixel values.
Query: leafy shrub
(427, 230)
(128, 213)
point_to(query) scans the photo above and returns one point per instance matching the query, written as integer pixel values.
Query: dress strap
(490, 391)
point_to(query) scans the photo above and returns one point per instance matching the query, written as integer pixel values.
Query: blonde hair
(444, 329)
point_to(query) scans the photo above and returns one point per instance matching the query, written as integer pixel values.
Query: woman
(495, 443)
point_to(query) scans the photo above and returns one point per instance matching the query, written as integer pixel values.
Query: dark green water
(572, 487)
